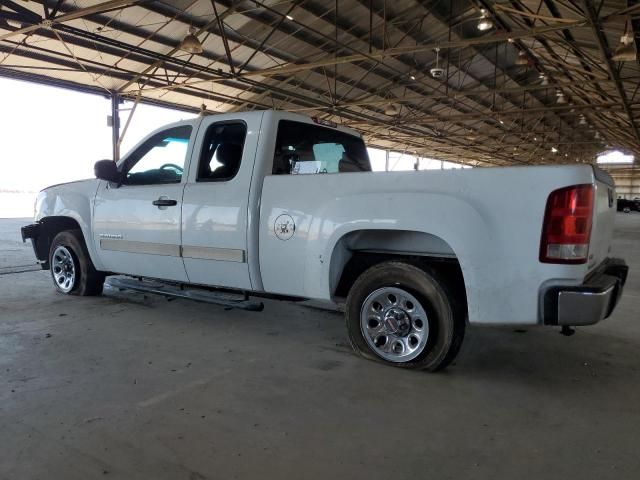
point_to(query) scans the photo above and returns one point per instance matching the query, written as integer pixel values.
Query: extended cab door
(215, 205)
(137, 225)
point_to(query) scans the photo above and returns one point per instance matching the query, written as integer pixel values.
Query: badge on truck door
(284, 227)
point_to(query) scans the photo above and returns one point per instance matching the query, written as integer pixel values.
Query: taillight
(567, 225)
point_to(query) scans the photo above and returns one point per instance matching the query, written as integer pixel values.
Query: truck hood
(74, 182)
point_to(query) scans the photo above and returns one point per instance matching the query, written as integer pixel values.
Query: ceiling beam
(505, 113)
(603, 46)
(81, 12)
(407, 50)
(454, 94)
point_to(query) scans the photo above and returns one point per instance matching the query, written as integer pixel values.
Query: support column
(115, 125)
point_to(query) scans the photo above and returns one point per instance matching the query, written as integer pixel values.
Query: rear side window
(302, 148)
(221, 152)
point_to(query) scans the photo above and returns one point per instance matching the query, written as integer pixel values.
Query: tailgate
(604, 215)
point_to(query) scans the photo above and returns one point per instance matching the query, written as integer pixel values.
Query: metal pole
(386, 160)
(370, 26)
(115, 125)
(126, 125)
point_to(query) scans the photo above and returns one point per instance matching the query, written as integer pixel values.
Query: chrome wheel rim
(63, 269)
(394, 324)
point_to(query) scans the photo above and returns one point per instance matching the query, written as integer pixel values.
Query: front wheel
(72, 270)
(404, 316)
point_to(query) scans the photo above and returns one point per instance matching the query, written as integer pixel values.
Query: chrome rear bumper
(590, 302)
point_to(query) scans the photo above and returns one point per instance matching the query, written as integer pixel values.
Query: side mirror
(107, 170)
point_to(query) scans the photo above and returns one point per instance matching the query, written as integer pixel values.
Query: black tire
(626, 210)
(446, 314)
(87, 280)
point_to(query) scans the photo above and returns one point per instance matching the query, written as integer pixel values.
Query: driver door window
(160, 160)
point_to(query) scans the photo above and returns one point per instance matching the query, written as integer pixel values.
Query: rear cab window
(303, 149)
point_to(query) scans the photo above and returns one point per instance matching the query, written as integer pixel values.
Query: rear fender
(457, 230)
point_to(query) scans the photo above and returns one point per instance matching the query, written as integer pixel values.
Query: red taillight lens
(567, 225)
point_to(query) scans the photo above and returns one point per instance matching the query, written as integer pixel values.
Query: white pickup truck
(275, 204)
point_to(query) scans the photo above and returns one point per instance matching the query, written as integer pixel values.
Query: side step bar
(228, 300)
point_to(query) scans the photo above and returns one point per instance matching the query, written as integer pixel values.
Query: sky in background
(50, 135)
(615, 156)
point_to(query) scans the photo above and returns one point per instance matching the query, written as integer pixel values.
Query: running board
(228, 300)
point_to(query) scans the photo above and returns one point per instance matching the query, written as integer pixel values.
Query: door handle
(165, 202)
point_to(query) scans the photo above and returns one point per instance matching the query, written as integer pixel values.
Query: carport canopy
(473, 82)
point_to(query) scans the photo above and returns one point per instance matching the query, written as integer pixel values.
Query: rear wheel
(405, 316)
(71, 268)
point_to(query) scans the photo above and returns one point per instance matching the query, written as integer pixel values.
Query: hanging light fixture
(191, 43)
(582, 121)
(437, 72)
(626, 51)
(14, 23)
(485, 22)
(560, 96)
(522, 58)
(544, 79)
(391, 110)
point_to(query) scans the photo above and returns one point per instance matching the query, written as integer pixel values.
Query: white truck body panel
(604, 216)
(215, 216)
(494, 234)
(225, 233)
(152, 234)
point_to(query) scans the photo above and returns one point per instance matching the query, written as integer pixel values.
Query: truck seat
(229, 156)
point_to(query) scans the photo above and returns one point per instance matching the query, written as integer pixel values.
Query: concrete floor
(130, 387)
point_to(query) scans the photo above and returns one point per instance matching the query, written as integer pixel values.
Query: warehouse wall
(627, 178)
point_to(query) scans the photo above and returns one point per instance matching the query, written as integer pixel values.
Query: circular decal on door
(284, 227)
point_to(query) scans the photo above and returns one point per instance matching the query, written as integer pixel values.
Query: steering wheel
(173, 166)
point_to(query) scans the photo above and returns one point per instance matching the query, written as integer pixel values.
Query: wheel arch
(49, 228)
(359, 250)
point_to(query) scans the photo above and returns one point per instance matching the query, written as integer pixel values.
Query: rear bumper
(590, 302)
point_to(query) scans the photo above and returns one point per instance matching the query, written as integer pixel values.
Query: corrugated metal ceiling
(541, 77)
